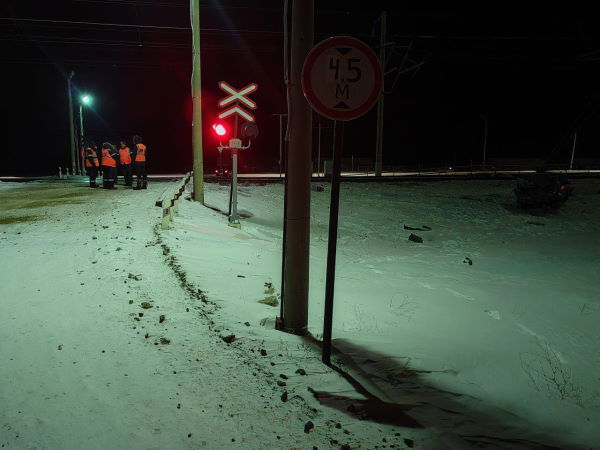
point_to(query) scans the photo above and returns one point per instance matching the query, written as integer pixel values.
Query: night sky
(531, 71)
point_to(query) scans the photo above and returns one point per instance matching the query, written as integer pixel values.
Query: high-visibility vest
(125, 155)
(88, 163)
(141, 153)
(107, 159)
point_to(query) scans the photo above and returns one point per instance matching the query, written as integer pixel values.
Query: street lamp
(85, 100)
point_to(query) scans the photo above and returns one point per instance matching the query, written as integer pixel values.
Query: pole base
(235, 225)
(297, 331)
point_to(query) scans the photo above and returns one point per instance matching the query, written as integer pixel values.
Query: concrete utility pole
(299, 171)
(71, 124)
(379, 141)
(197, 104)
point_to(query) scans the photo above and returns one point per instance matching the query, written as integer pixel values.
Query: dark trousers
(92, 173)
(109, 175)
(126, 171)
(140, 170)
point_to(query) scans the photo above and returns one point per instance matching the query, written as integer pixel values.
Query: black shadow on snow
(420, 404)
(242, 213)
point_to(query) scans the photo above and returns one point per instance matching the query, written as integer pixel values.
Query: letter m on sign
(340, 91)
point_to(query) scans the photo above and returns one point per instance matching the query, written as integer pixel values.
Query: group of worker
(110, 160)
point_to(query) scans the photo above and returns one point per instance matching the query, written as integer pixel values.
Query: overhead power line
(130, 25)
(81, 41)
(274, 32)
(415, 36)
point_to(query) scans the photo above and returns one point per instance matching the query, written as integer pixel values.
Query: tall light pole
(74, 165)
(197, 104)
(85, 100)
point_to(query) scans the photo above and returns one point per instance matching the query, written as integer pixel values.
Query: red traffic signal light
(220, 129)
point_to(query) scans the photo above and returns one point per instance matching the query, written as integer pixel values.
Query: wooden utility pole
(299, 171)
(197, 104)
(379, 140)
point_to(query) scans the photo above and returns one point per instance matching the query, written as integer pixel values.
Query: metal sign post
(342, 79)
(234, 145)
(234, 213)
(334, 207)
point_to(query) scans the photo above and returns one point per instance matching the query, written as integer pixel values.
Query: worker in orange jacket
(110, 157)
(91, 163)
(125, 163)
(140, 155)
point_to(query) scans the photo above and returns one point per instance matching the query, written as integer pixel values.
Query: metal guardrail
(169, 200)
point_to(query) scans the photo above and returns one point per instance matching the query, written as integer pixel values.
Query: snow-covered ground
(83, 365)
(451, 355)
(505, 347)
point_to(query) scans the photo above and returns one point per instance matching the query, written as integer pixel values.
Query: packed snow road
(84, 366)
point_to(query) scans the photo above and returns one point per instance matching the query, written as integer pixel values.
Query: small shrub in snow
(548, 374)
(362, 322)
(402, 306)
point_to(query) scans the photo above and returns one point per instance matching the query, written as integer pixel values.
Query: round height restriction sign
(342, 78)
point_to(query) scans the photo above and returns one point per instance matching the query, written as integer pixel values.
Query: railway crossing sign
(235, 102)
(342, 78)
(237, 98)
